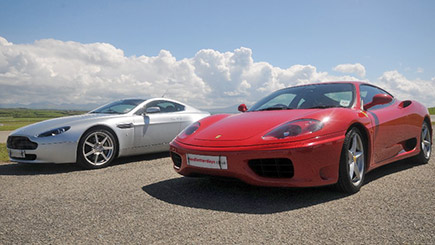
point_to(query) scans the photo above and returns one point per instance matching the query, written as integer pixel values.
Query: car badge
(218, 136)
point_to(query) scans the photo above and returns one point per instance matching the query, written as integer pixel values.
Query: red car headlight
(294, 128)
(189, 130)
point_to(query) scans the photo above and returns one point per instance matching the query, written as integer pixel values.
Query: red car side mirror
(379, 99)
(242, 108)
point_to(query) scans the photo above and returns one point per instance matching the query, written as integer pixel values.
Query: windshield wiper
(326, 106)
(275, 108)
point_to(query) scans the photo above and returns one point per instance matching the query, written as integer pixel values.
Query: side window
(367, 93)
(166, 106)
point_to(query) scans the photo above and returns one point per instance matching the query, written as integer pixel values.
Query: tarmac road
(142, 200)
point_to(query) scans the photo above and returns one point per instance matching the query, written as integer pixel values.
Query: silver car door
(153, 131)
(185, 119)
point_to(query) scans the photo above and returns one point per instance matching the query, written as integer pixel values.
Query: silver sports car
(122, 128)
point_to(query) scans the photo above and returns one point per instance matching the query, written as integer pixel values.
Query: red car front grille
(273, 167)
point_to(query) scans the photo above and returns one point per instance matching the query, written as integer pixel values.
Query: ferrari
(310, 135)
(121, 128)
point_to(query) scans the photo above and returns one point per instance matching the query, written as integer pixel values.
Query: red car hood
(246, 125)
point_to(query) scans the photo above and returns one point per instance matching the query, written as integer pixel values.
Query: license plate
(17, 153)
(213, 162)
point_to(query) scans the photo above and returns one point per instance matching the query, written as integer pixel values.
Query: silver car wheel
(98, 148)
(356, 160)
(426, 145)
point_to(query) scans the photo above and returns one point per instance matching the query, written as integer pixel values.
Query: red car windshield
(312, 96)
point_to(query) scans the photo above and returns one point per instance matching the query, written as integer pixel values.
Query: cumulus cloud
(357, 69)
(56, 72)
(403, 88)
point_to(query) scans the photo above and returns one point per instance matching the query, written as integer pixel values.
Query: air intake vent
(272, 168)
(29, 157)
(176, 159)
(21, 143)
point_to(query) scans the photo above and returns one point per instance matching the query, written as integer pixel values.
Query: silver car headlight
(54, 132)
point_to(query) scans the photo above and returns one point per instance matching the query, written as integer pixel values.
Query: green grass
(4, 157)
(11, 119)
(432, 110)
(35, 113)
(9, 123)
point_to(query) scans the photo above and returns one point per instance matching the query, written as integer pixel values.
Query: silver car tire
(352, 162)
(425, 144)
(97, 149)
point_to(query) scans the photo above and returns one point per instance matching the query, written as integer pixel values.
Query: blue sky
(380, 35)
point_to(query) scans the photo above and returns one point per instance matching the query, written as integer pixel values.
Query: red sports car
(310, 135)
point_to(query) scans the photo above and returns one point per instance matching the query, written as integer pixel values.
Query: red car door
(391, 127)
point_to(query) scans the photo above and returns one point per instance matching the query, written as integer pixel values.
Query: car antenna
(163, 96)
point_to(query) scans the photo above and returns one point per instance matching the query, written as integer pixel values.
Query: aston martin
(121, 128)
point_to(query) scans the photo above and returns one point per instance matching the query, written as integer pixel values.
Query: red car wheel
(352, 163)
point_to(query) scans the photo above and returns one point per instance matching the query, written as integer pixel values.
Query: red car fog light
(176, 159)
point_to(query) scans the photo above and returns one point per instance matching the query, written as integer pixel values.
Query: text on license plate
(214, 162)
(17, 153)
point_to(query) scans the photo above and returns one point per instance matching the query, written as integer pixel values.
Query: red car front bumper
(314, 162)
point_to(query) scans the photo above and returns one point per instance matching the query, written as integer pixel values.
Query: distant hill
(224, 110)
(233, 109)
(66, 109)
(45, 105)
(37, 113)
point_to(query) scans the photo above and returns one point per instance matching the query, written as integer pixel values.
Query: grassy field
(3, 153)
(10, 123)
(432, 112)
(34, 113)
(11, 119)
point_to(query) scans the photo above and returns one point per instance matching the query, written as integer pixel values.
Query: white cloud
(357, 69)
(56, 72)
(405, 89)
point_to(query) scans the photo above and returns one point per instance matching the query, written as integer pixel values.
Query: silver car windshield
(315, 96)
(118, 107)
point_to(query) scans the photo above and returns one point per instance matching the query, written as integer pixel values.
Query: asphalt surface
(141, 200)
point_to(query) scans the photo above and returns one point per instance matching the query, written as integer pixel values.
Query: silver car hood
(41, 127)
